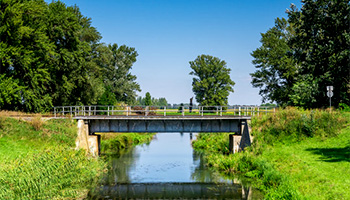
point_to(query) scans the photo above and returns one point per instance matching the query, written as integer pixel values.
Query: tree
(300, 56)
(116, 72)
(321, 44)
(148, 99)
(54, 57)
(276, 68)
(212, 83)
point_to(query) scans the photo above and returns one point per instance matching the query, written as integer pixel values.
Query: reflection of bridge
(94, 119)
(174, 191)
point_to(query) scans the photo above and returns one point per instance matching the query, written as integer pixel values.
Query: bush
(294, 124)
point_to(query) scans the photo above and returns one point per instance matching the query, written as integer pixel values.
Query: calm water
(167, 168)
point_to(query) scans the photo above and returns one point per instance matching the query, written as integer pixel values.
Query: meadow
(296, 154)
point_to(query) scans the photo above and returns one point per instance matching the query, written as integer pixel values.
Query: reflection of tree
(201, 173)
(119, 167)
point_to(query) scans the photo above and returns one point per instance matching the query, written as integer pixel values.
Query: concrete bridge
(127, 119)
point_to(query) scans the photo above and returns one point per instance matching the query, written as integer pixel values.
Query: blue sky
(167, 34)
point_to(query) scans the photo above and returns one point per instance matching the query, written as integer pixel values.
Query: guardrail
(109, 110)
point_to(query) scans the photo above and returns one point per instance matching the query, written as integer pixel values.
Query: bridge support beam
(90, 143)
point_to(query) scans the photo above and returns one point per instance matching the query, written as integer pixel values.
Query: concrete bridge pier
(89, 142)
(241, 139)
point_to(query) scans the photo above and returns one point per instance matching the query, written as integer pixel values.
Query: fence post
(54, 111)
(239, 111)
(221, 110)
(107, 110)
(183, 111)
(164, 111)
(70, 108)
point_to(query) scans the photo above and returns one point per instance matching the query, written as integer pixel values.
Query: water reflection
(166, 168)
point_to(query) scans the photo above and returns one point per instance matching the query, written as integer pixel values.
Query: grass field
(297, 155)
(39, 160)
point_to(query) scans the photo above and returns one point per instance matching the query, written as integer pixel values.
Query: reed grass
(42, 163)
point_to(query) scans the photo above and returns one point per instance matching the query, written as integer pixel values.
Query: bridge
(100, 119)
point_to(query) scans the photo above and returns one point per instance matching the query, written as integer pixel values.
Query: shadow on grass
(332, 154)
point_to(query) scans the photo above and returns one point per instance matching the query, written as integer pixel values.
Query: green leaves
(302, 55)
(53, 54)
(212, 83)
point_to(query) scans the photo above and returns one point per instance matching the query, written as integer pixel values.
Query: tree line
(51, 55)
(301, 55)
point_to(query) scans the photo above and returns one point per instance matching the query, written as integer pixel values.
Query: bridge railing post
(183, 110)
(220, 110)
(164, 111)
(107, 110)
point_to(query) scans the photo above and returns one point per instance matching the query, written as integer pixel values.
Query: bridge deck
(159, 117)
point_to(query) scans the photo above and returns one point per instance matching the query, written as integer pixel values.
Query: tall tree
(298, 59)
(276, 69)
(116, 72)
(322, 45)
(212, 83)
(47, 48)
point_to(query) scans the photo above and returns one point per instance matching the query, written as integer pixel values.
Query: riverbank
(296, 155)
(39, 160)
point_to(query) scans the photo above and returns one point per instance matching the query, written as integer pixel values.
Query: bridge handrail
(110, 110)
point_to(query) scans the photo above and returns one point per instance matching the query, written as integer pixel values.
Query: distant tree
(212, 83)
(148, 99)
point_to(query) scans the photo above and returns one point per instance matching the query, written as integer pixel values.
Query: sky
(167, 34)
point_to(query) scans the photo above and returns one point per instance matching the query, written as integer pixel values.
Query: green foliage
(116, 65)
(275, 73)
(148, 99)
(212, 83)
(9, 92)
(161, 102)
(52, 56)
(344, 107)
(303, 54)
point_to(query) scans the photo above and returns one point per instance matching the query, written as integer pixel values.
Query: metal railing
(110, 110)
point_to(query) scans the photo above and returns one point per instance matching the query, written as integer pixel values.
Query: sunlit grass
(297, 154)
(41, 163)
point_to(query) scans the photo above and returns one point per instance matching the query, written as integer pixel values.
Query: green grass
(319, 168)
(296, 154)
(39, 162)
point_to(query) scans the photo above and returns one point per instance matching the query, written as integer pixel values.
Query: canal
(167, 168)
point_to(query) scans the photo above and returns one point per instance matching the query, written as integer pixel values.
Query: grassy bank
(39, 160)
(296, 155)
